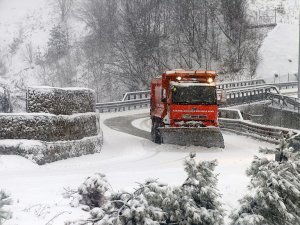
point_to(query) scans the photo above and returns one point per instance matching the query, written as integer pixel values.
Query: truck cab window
(197, 94)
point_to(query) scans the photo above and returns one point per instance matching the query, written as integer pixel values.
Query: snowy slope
(37, 191)
(24, 24)
(30, 22)
(279, 53)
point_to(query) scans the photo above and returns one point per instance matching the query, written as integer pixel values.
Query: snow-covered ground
(125, 159)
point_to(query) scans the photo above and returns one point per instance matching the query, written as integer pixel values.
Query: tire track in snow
(124, 124)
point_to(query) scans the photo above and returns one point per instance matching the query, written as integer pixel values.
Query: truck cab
(183, 99)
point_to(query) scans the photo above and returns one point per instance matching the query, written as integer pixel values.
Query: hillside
(23, 24)
(25, 28)
(279, 51)
(279, 54)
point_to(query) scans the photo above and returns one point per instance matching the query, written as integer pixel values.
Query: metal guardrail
(249, 95)
(261, 132)
(286, 85)
(225, 85)
(237, 93)
(234, 97)
(232, 120)
(136, 95)
(286, 102)
(239, 84)
(122, 105)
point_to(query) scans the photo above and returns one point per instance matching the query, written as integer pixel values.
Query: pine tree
(197, 199)
(95, 191)
(58, 44)
(196, 202)
(276, 185)
(4, 200)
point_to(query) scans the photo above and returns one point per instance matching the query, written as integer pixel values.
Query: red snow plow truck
(184, 109)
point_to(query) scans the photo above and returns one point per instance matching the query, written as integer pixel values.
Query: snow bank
(48, 127)
(65, 101)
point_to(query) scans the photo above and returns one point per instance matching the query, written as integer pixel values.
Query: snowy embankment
(125, 159)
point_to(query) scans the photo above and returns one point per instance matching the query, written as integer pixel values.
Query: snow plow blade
(204, 136)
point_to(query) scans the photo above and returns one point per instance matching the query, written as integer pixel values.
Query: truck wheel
(155, 133)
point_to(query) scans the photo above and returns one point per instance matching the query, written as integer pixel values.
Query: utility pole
(299, 61)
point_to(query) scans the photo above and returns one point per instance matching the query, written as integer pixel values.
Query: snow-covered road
(125, 159)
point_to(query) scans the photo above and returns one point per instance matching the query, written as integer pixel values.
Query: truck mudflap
(203, 136)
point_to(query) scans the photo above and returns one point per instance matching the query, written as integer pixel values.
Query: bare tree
(64, 7)
(134, 40)
(28, 53)
(3, 68)
(100, 18)
(141, 49)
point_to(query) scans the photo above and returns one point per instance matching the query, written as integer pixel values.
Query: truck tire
(155, 133)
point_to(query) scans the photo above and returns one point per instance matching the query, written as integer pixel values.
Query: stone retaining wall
(60, 124)
(48, 127)
(46, 152)
(60, 101)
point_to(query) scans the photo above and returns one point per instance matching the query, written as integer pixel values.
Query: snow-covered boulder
(64, 101)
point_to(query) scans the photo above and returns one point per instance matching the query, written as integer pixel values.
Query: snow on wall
(42, 152)
(64, 101)
(48, 127)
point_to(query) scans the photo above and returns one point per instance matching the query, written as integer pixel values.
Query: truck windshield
(196, 95)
